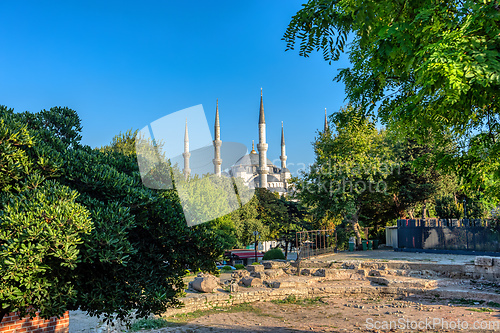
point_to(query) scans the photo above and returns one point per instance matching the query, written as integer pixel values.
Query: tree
(133, 253)
(351, 164)
(41, 223)
(429, 68)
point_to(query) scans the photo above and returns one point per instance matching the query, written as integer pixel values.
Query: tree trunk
(410, 212)
(286, 249)
(356, 227)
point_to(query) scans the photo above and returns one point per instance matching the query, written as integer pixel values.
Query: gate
(315, 242)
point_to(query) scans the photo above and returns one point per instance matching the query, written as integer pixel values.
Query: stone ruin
(479, 279)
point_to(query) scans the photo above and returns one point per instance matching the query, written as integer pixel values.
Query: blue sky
(123, 65)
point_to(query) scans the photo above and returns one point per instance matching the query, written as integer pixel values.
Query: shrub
(274, 254)
(226, 268)
(149, 323)
(239, 266)
(255, 263)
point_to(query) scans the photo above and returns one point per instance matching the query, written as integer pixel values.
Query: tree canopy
(428, 68)
(91, 235)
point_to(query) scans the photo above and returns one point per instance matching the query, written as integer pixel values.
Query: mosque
(256, 170)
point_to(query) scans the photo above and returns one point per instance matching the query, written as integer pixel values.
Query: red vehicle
(242, 256)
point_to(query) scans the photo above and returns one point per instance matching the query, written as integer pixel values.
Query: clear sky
(124, 64)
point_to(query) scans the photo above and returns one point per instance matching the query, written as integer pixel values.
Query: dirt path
(330, 314)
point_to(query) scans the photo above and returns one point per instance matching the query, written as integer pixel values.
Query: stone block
(496, 262)
(255, 268)
(275, 264)
(240, 274)
(233, 287)
(205, 283)
(483, 261)
(334, 274)
(251, 281)
(362, 272)
(351, 265)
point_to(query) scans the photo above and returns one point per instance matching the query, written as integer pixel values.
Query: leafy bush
(239, 266)
(149, 324)
(274, 254)
(447, 208)
(255, 263)
(79, 228)
(226, 268)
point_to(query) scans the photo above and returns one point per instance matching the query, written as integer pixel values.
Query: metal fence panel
(452, 234)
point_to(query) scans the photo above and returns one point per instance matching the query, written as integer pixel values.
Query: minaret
(186, 153)
(283, 157)
(262, 146)
(326, 128)
(217, 143)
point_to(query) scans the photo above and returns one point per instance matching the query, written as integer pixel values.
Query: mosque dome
(251, 159)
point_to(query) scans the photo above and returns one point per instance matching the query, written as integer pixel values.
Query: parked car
(227, 267)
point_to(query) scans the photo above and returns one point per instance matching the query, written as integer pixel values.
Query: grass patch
(493, 304)
(463, 301)
(244, 307)
(481, 310)
(292, 299)
(150, 324)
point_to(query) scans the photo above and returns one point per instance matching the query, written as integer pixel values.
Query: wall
(12, 324)
(221, 300)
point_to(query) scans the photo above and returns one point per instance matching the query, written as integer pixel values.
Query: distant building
(256, 170)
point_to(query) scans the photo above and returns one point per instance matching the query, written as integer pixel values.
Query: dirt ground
(331, 314)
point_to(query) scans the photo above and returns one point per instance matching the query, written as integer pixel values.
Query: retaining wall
(11, 323)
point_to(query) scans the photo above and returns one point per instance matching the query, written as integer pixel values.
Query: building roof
(250, 160)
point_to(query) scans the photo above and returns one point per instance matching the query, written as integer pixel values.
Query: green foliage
(273, 217)
(226, 269)
(351, 167)
(239, 266)
(78, 228)
(292, 299)
(448, 208)
(255, 263)
(430, 69)
(149, 324)
(273, 254)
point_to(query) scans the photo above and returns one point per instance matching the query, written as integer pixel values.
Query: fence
(449, 234)
(315, 242)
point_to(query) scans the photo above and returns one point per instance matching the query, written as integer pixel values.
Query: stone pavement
(390, 254)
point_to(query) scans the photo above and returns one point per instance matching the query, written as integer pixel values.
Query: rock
(268, 274)
(274, 273)
(362, 272)
(233, 287)
(255, 268)
(251, 281)
(274, 264)
(205, 283)
(351, 265)
(483, 261)
(240, 274)
(374, 272)
(334, 274)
